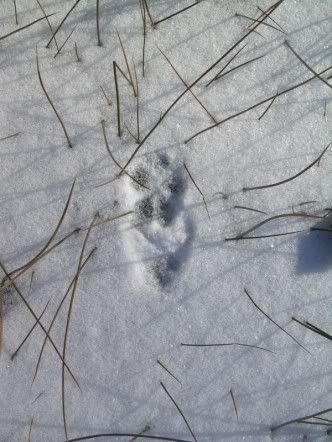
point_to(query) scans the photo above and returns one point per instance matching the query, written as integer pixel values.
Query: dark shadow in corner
(315, 249)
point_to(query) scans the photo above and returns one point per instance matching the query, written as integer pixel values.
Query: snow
(163, 274)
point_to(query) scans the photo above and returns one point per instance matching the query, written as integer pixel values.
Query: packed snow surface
(162, 273)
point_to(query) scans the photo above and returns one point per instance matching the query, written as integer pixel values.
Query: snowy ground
(163, 274)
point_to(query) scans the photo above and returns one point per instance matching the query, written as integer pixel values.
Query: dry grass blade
(109, 102)
(48, 22)
(287, 180)
(271, 235)
(200, 77)
(306, 64)
(137, 105)
(179, 410)
(137, 435)
(272, 218)
(108, 220)
(257, 20)
(10, 136)
(273, 21)
(62, 217)
(234, 404)
(24, 27)
(8, 282)
(227, 344)
(266, 100)
(50, 101)
(29, 333)
(145, 429)
(64, 43)
(199, 190)
(250, 209)
(143, 10)
(167, 370)
(268, 107)
(294, 421)
(186, 85)
(62, 22)
(36, 318)
(148, 11)
(115, 161)
(1, 320)
(30, 429)
(313, 328)
(57, 312)
(235, 68)
(178, 12)
(227, 64)
(97, 24)
(76, 52)
(117, 98)
(72, 297)
(127, 64)
(15, 10)
(279, 326)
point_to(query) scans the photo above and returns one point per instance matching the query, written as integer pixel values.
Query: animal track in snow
(162, 235)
